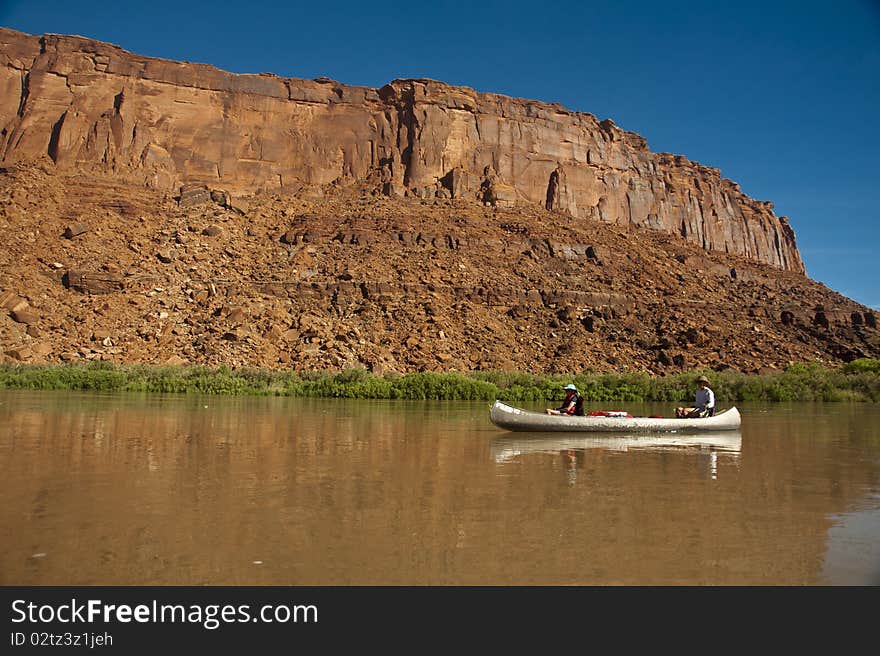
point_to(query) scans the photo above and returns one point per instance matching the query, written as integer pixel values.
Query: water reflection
(573, 449)
(509, 446)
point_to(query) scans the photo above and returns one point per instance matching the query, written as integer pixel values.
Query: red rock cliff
(85, 102)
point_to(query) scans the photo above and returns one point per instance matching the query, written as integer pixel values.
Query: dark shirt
(578, 409)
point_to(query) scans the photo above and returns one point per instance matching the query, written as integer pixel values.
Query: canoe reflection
(573, 448)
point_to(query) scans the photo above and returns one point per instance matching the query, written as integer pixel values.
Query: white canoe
(515, 419)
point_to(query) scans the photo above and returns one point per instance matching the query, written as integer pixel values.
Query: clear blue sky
(783, 97)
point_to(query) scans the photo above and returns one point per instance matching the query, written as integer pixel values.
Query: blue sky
(783, 97)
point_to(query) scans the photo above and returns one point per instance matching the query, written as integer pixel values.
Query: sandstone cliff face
(84, 102)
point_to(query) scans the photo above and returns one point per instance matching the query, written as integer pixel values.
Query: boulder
(42, 350)
(13, 302)
(25, 316)
(93, 282)
(194, 195)
(20, 353)
(75, 229)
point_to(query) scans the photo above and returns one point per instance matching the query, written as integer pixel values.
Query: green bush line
(856, 381)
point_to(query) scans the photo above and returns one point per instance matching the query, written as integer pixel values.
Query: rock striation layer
(172, 124)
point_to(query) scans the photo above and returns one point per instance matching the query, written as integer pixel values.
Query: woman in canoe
(572, 405)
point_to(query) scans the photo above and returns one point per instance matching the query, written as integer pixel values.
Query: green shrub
(857, 380)
(862, 366)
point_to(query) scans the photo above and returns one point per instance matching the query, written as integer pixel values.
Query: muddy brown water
(137, 489)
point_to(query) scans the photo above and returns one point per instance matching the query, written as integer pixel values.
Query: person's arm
(555, 411)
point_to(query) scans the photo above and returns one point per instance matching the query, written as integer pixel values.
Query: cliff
(169, 124)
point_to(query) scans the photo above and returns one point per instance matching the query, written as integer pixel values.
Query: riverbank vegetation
(855, 381)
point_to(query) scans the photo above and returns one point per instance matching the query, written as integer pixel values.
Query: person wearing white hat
(572, 405)
(704, 403)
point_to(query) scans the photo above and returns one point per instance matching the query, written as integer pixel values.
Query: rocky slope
(98, 266)
(168, 124)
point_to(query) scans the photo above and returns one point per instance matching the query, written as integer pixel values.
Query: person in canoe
(704, 402)
(573, 404)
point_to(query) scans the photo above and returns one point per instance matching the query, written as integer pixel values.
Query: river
(102, 489)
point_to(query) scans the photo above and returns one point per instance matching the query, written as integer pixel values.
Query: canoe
(508, 447)
(515, 419)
